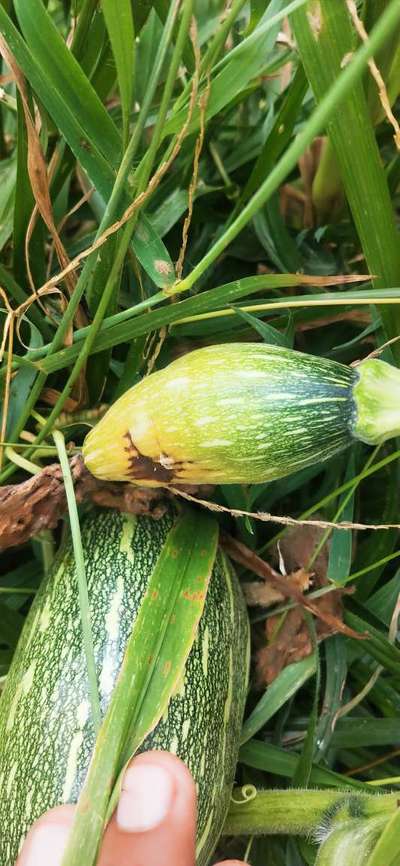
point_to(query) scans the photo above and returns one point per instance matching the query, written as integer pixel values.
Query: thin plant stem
(81, 580)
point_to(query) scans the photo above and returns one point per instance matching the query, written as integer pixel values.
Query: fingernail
(146, 798)
(45, 846)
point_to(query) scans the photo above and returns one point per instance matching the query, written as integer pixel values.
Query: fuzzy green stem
(351, 843)
(301, 812)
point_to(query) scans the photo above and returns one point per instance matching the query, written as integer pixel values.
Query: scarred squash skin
(46, 733)
(242, 413)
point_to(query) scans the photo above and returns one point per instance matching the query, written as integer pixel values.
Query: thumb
(154, 823)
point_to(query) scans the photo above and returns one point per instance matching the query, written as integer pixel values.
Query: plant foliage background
(167, 182)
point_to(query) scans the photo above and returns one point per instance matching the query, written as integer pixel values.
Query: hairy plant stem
(300, 812)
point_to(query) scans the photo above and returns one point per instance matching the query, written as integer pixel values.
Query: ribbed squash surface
(46, 733)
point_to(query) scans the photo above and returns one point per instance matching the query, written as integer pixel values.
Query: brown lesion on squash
(165, 471)
(145, 468)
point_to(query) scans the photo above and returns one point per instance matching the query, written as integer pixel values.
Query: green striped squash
(242, 413)
(46, 733)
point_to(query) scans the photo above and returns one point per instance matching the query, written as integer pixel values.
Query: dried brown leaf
(296, 547)
(289, 637)
(263, 594)
(290, 642)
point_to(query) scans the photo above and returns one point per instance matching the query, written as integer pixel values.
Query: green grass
(121, 103)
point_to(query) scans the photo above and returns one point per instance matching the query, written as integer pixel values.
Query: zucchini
(46, 733)
(242, 413)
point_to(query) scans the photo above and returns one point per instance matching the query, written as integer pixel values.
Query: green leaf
(286, 684)
(359, 731)
(71, 99)
(375, 549)
(124, 326)
(11, 625)
(146, 244)
(73, 104)
(324, 41)
(281, 762)
(152, 253)
(257, 9)
(339, 90)
(375, 643)
(147, 53)
(81, 41)
(302, 775)
(272, 233)
(33, 313)
(23, 206)
(239, 67)
(278, 138)
(119, 22)
(155, 656)
(335, 678)
(269, 334)
(8, 168)
(382, 603)
(387, 60)
(22, 583)
(341, 546)
(141, 9)
(21, 384)
(87, 633)
(387, 848)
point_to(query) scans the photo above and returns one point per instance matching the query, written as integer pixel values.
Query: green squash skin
(241, 413)
(46, 735)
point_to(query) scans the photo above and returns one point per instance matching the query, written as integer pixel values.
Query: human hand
(154, 823)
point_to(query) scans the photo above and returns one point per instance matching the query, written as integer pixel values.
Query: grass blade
(322, 114)
(134, 326)
(302, 775)
(286, 684)
(387, 848)
(119, 22)
(82, 585)
(73, 104)
(281, 762)
(325, 38)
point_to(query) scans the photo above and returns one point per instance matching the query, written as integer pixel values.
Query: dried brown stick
(28, 508)
(243, 555)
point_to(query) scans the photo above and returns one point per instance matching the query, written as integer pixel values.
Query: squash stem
(377, 398)
(301, 812)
